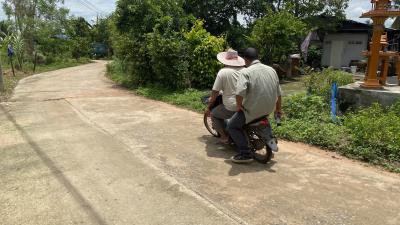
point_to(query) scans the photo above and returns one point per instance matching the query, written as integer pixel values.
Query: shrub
(375, 133)
(371, 134)
(324, 134)
(301, 106)
(203, 48)
(169, 59)
(80, 47)
(307, 119)
(320, 83)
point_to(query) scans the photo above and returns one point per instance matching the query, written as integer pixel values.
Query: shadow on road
(215, 150)
(57, 173)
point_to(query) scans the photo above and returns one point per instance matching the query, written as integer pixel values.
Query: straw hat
(231, 58)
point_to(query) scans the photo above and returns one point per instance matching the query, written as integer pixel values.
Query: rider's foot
(241, 159)
(224, 141)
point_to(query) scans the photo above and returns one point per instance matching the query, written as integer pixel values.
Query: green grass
(10, 81)
(293, 87)
(189, 99)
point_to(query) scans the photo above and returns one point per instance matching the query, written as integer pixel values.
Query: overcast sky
(79, 8)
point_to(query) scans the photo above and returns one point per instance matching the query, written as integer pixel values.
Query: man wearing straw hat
(225, 83)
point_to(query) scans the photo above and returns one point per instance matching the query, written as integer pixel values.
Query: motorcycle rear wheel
(209, 126)
(261, 152)
(264, 157)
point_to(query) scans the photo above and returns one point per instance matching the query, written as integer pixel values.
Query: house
(345, 44)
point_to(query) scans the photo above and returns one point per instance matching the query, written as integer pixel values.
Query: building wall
(352, 46)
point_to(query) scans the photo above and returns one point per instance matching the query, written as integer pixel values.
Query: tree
(256, 9)
(218, 15)
(203, 48)
(80, 33)
(29, 16)
(148, 40)
(277, 35)
(101, 35)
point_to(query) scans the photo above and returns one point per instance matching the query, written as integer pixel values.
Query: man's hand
(239, 103)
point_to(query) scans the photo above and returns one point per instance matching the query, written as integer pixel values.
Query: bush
(375, 133)
(203, 49)
(169, 55)
(308, 120)
(169, 59)
(80, 47)
(301, 106)
(324, 134)
(371, 134)
(320, 83)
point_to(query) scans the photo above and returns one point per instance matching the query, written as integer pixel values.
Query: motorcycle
(258, 133)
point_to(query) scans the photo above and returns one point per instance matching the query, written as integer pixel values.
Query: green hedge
(319, 83)
(158, 44)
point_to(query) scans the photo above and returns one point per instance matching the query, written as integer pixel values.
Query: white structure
(341, 48)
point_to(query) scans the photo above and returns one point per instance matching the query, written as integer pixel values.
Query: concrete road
(76, 149)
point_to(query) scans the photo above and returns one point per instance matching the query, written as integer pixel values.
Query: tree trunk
(35, 62)
(1, 78)
(12, 66)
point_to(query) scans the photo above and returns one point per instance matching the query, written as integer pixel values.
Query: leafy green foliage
(371, 134)
(80, 47)
(169, 59)
(308, 120)
(218, 15)
(34, 17)
(301, 106)
(203, 48)
(277, 35)
(301, 9)
(375, 133)
(320, 83)
(167, 54)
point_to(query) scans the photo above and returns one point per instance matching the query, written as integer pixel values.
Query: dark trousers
(218, 116)
(235, 128)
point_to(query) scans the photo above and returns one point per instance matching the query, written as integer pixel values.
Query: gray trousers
(218, 116)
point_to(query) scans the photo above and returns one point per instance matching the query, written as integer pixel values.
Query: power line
(88, 6)
(93, 6)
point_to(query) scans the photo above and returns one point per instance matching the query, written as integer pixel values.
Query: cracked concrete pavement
(76, 149)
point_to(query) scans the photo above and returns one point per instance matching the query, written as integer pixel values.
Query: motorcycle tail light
(264, 122)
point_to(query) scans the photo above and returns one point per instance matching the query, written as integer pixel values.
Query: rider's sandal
(223, 142)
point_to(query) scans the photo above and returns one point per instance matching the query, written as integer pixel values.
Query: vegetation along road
(76, 149)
